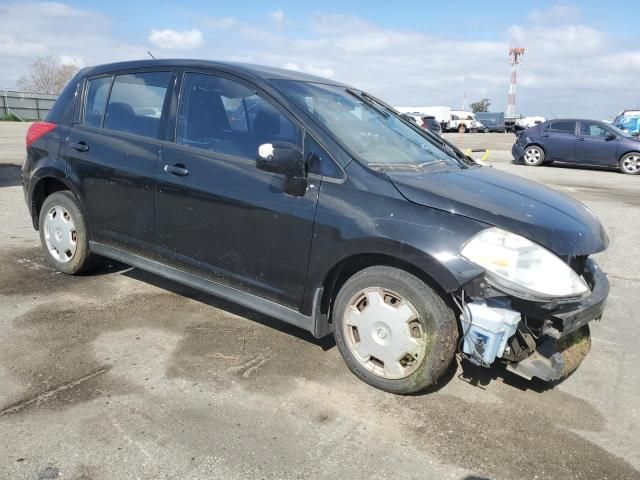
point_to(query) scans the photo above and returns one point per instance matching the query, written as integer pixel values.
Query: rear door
(218, 216)
(594, 147)
(559, 140)
(112, 155)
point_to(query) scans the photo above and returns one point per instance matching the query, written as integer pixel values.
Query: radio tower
(515, 58)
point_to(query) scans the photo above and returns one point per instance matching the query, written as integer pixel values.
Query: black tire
(81, 260)
(630, 163)
(533, 156)
(437, 319)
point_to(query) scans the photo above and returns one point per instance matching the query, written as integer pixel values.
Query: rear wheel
(533, 156)
(630, 163)
(63, 234)
(394, 332)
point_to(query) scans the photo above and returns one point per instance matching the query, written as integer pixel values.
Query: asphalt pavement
(122, 374)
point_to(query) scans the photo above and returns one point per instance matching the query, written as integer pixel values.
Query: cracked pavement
(122, 374)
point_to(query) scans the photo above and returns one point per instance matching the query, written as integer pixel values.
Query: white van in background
(463, 121)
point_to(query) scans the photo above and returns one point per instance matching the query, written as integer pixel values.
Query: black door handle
(178, 170)
(80, 146)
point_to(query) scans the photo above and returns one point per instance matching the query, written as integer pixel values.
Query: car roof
(261, 72)
(573, 120)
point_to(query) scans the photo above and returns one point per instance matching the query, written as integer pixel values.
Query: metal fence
(25, 106)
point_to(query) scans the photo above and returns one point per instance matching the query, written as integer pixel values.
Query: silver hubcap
(631, 164)
(384, 333)
(60, 234)
(532, 155)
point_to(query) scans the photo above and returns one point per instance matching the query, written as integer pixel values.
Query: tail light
(37, 130)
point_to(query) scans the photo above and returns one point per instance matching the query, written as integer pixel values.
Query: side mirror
(286, 159)
(610, 136)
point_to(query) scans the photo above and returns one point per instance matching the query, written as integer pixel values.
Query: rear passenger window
(224, 116)
(563, 127)
(135, 103)
(96, 101)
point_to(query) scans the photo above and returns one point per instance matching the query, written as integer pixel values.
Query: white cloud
(277, 16)
(312, 69)
(72, 60)
(560, 12)
(31, 30)
(570, 67)
(174, 40)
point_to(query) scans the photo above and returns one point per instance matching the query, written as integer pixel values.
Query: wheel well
(42, 190)
(346, 268)
(627, 153)
(535, 144)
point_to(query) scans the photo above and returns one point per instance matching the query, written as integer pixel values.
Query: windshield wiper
(364, 98)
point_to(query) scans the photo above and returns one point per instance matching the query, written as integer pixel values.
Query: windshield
(619, 131)
(369, 130)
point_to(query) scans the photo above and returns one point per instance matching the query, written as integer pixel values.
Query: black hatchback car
(317, 204)
(581, 142)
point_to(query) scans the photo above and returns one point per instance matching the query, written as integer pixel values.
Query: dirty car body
(373, 189)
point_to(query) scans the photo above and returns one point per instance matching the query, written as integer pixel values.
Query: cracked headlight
(521, 267)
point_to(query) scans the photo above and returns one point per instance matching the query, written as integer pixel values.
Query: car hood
(550, 218)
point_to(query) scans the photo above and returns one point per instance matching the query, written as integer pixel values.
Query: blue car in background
(582, 142)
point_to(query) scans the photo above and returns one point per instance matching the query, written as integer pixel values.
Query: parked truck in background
(450, 120)
(492, 121)
(463, 121)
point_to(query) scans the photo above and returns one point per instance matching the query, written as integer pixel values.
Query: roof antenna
(151, 54)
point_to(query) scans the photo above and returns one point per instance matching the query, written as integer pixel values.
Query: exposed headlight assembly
(518, 266)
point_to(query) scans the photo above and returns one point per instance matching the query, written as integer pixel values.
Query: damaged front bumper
(555, 359)
(551, 338)
(563, 317)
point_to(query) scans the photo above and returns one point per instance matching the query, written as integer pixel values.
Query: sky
(582, 59)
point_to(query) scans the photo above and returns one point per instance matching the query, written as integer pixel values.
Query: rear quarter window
(62, 111)
(96, 101)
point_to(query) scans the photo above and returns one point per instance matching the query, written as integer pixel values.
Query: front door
(560, 140)
(112, 156)
(217, 215)
(595, 146)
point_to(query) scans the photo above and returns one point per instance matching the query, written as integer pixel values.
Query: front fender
(367, 223)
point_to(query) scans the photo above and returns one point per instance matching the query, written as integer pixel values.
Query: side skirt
(231, 294)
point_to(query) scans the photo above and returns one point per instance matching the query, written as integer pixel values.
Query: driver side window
(223, 116)
(592, 130)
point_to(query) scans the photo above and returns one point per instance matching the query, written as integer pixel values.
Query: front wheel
(394, 331)
(533, 156)
(630, 163)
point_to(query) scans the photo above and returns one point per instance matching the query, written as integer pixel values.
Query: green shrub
(10, 117)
